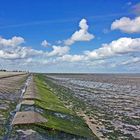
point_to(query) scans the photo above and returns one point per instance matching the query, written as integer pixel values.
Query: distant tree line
(3, 70)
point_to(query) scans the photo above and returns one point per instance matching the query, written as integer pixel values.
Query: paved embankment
(28, 117)
(10, 91)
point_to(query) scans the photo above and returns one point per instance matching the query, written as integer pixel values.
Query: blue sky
(86, 24)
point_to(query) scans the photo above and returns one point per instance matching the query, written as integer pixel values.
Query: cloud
(45, 43)
(72, 58)
(121, 47)
(127, 25)
(58, 51)
(80, 35)
(117, 47)
(129, 3)
(59, 42)
(136, 8)
(19, 53)
(131, 61)
(12, 49)
(14, 41)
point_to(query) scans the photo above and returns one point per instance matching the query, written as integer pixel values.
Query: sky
(75, 36)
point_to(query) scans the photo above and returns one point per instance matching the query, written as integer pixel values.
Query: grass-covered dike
(59, 117)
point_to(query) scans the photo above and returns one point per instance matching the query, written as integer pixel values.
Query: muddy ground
(112, 102)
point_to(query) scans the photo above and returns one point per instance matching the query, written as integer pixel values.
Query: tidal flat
(109, 103)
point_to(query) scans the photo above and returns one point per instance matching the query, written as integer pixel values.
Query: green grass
(51, 103)
(48, 99)
(66, 95)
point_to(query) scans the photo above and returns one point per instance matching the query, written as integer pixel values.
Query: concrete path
(28, 102)
(31, 92)
(28, 117)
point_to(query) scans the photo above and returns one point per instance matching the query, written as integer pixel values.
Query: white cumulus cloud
(80, 35)
(45, 43)
(127, 25)
(12, 49)
(14, 41)
(116, 47)
(72, 58)
(59, 51)
(20, 53)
